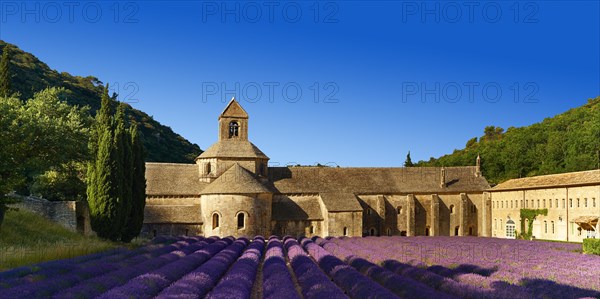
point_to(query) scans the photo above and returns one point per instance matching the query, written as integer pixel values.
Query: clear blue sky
(391, 76)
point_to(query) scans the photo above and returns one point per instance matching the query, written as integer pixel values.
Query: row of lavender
(384, 267)
(471, 267)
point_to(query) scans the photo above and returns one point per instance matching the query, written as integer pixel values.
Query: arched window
(578, 202)
(593, 202)
(368, 211)
(345, 231)
(585, 202)
(372, 231)
(456, 230)
(545, 226)
(563, 205)
(311, 229)
(570, 202)
(495, 224)
(215, 220)
(501, 224)
(207, 168)
(427, 231)
(538, 203)
(552, 226)
(510, 229)
(451, 209)
(399, 210)
(241, 220)
(234, 129)
(556, 203)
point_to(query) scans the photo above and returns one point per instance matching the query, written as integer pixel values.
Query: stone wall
(562, 210)
(256, 208)
(72, 215)
(425, 214)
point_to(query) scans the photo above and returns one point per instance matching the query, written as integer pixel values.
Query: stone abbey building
(571, 202)
(231, 190)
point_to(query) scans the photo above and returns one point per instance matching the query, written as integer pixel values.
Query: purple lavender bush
(277, 281)
(313, 281)
(238, 281)
(151, 283)
(199, 282)
(96, 286)
(349, 279)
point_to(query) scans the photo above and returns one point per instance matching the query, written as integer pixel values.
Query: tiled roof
(289, 180)
(172, 179)
(233, 148)
(236, 180)
(553, 180)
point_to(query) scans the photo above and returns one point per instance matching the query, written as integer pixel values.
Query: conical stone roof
(236, 180)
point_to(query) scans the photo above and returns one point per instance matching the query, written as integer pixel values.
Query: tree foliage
(41, 142)
(30, 75)
(112, 175)
(530, 215)
(564, 143)
(408, 162)
(5, 76)
(138, 187)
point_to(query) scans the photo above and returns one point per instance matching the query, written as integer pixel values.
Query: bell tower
(233, 122)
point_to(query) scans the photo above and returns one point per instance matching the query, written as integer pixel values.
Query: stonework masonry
(232, 191)
(73, 215)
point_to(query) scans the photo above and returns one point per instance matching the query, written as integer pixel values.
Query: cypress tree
(136, 215)
(5, 73)
(408, 162)
(103, 191)
(123, 168)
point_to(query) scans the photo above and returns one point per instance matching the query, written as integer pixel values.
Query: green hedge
(591, 246)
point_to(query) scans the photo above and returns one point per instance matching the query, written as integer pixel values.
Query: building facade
(231, 190)
(571, 202)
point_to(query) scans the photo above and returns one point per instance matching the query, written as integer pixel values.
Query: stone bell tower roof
(233, 136)
(234, 110)
(236, 180)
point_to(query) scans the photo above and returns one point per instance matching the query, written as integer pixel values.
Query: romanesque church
(231, 190)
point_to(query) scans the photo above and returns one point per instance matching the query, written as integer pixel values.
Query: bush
(591, 246)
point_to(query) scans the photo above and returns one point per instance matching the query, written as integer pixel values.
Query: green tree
(11, 150)
(408, 162)
(102, 199)
(116, 183)
(123, 167)
(103, 189)
(42, 135)
(471, 142)
(136, 215)
(5, 88)
(566, 142)
(56, 137)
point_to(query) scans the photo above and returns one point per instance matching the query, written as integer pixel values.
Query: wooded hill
(30, 75)
(567, 142)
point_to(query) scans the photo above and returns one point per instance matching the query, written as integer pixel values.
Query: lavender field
(371, 267)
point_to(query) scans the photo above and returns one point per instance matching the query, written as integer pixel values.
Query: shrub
(591, 246)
